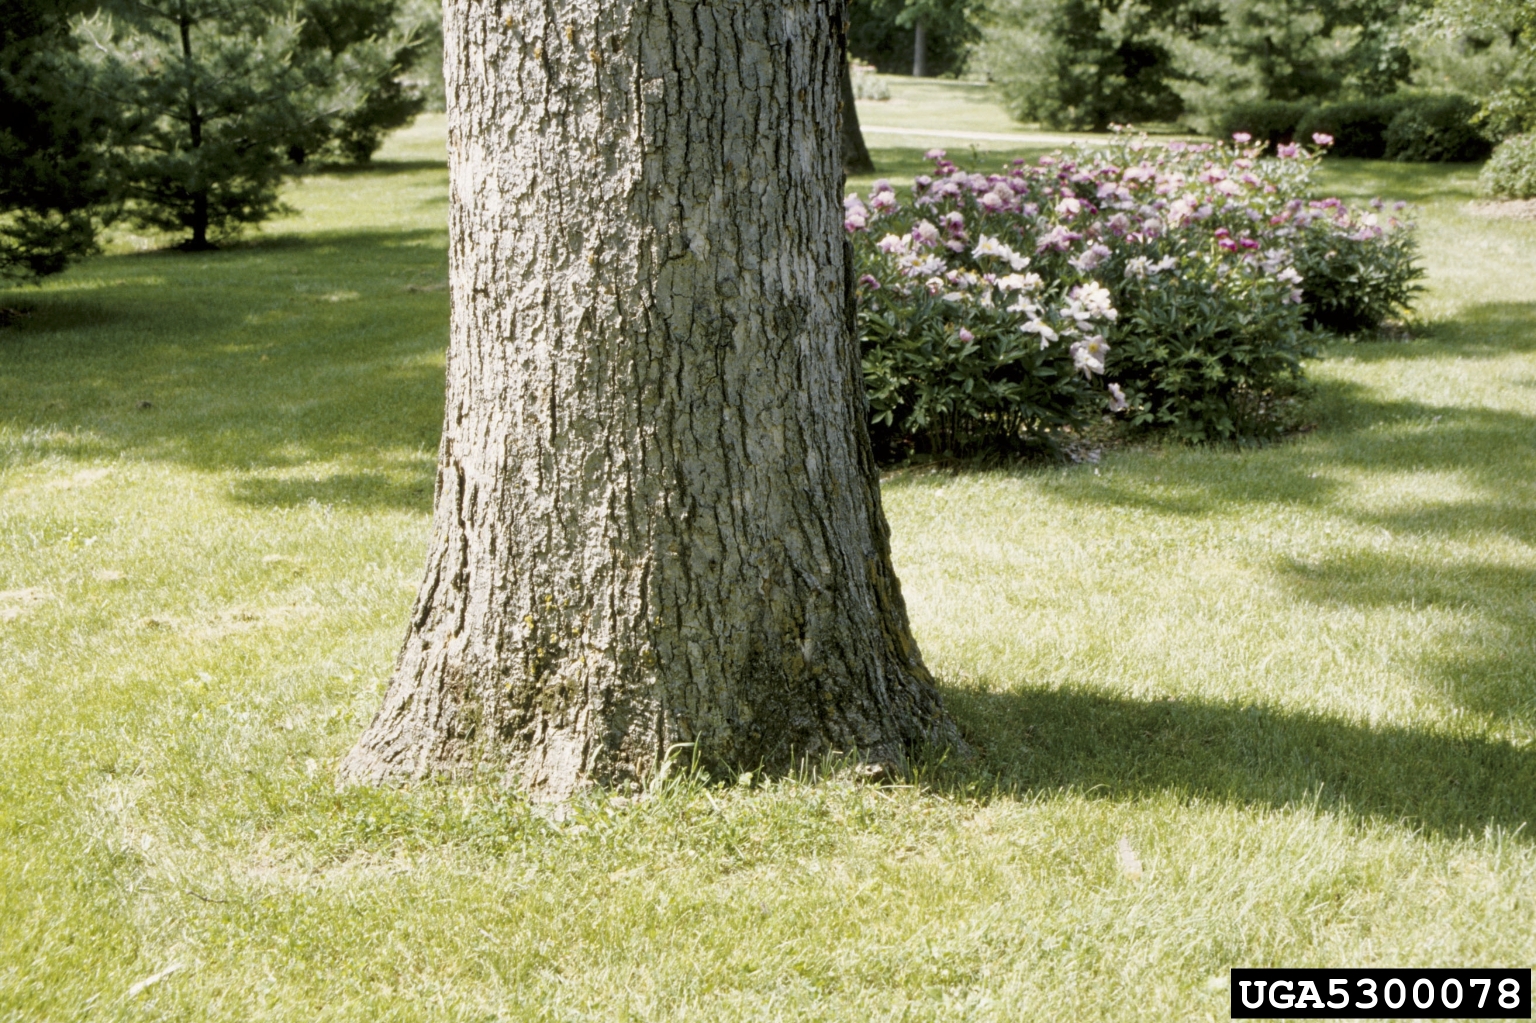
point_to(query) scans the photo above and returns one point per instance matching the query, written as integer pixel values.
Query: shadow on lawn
(1483, 656)
(1116, 748)
(322, 352)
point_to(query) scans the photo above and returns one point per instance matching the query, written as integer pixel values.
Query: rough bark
(657, 517)
(856, 159)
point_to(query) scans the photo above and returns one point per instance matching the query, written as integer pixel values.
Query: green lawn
(1234, 708)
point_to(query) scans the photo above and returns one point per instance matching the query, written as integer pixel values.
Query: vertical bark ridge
(657, 517)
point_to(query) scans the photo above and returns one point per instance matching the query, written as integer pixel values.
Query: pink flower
(855, 215)
(1289, 151)
(934, 154)
(869, 282)
(1242, 138)
(1058, 238)
(1322, 139)
(966, 336)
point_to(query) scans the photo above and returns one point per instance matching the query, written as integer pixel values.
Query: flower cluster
(1180, 253)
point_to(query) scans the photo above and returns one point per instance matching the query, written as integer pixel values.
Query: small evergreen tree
(355, 55)
(1082, 63)
(214, 97)
(208, 96)
(55, 177)
(1226, 52)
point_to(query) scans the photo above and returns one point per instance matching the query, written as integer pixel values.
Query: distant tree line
(1086, 64)
(182, 115)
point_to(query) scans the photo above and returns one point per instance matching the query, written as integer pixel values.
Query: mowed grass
(1233, 708)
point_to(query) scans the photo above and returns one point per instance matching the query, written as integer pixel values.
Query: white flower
(925, 233)
(1141, 266)
(1019, 282)
(916, 266)
(1088, 354)
(987, 245)
(1117, 402)
(895, 244)
(1047, 335)
(1091, 301)
(1288, 276)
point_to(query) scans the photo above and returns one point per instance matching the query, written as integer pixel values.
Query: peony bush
(1175, 286)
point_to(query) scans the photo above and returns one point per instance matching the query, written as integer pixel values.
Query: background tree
(657, 520)
(1082, 64)
(1226, 52)
(923, 37)
(55, 170)
(208, 94)
(1505, 27)
(356, 55)
(1090, 63)
(213, 97)
(856, 158)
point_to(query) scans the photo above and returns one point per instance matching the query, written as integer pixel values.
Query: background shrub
(1354, 274)
(1511, 172)
(1436, 129)
(1168, 284)
(1270, 121)
(1359, 127)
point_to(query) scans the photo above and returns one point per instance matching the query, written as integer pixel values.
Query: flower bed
(1177, 286)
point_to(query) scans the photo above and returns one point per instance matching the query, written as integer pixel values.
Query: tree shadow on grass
(324, 351)
(1115, 748)
(1492, 670)
(1486, 330)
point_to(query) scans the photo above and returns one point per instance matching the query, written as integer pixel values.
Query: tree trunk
(919, 51)
(657, 520)
(856, 159)
(199, 220)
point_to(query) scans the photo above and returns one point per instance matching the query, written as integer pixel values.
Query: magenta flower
(1289, 151)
